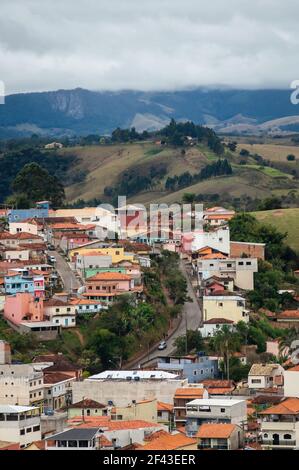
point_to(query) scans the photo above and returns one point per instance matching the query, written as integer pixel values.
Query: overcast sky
(148, 44)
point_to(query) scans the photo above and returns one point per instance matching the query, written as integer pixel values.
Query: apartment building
(21, 384)
(215, 410)
(241, 270)
(280, 425)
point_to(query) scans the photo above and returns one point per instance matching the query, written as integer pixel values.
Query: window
(36, 428)
(22, 432)
(241, 263)
(222, 410)
(287, 436)
(265, 436)
(28, 430)
(248, 263)
(256, 381)
(56, 309)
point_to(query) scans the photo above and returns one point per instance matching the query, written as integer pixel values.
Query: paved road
(191, 320)
(68, 277)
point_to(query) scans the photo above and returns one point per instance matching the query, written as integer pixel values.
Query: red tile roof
(189, 392)
(215, 431)
(169, 442)
(107, 276)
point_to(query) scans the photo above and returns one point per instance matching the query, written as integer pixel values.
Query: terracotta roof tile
(169, 442)
(161, 406)
(216, 430)
(189, 392)
(107, 276)
(287, 406)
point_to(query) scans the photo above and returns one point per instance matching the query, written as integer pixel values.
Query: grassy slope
(286, 220)
(273, 152)
(104, 164)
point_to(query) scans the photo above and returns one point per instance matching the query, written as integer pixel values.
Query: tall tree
(36, 184)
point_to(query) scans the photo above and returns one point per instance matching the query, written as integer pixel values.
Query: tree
(193, 342)
(225, 342)
(37, 184)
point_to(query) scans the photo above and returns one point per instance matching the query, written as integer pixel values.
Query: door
(66, 322)
(276, 439)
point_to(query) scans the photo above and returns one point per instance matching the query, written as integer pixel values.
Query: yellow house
(228, 307)
(86, 407)
(117, 254)
(145, 410)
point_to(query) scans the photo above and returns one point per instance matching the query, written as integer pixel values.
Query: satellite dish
(81, 290)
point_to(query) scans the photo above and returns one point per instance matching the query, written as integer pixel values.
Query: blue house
(41, 211)
(195, 367)
(18, 283)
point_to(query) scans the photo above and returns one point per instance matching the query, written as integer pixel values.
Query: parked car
(51, 247)
(162, 345)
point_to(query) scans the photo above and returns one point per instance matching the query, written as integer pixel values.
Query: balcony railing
(280, 443)
(213, 446)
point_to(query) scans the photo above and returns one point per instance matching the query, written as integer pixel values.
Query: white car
(162, 345)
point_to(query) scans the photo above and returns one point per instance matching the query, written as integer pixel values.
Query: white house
(219, 239)
(20, 424)
(210, 327)
(265, 376)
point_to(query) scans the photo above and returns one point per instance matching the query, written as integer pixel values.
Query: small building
(87, 407)
(20, 424)
(194, 367)
(74, 439)
(210, 327)
(263, 376)
(220, 436)
(165, 414)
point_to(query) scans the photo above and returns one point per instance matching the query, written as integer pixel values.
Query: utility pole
(186, 340)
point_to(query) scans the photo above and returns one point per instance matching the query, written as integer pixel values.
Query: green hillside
(286, 220)
(100, 166)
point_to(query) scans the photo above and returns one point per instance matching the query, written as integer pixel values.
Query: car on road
(51, 259)
(162, 345)
(51, 247)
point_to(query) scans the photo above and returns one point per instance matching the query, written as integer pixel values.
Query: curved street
(191, 320)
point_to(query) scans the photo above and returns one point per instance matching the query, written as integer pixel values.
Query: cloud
(152, 45)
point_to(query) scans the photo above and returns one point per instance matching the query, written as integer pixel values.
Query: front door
(275, 439)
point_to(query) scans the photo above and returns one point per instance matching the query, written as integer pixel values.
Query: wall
(252, 250)
(122, 392)
(230, 310)
(291, 383)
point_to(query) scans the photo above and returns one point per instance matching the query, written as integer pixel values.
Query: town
(182, 353)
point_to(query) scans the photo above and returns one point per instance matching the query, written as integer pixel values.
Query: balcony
(213, 446)
(279, 426)
(278, 444)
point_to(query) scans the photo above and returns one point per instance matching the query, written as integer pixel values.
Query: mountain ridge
(80, 111)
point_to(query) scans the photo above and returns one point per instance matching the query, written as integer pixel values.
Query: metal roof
(75, 434)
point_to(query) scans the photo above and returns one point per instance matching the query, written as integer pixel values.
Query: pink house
(22, 307)
(107, 286)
